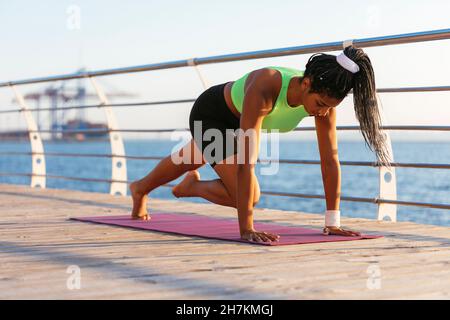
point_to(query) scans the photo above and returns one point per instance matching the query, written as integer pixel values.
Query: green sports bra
(282, 117)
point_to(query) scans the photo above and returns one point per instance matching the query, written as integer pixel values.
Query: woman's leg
(220, 191)
(164, 172)
(227, 171)
(211, 190)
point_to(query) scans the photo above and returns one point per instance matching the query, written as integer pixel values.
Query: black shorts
(211, 109)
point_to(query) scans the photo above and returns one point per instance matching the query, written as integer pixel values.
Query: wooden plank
(39, 242)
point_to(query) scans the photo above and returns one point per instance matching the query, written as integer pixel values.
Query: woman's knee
(256, 194)
(227, 171)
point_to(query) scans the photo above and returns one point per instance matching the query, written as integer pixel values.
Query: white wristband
(333, 218)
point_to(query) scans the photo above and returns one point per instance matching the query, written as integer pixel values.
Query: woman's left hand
(340, 232)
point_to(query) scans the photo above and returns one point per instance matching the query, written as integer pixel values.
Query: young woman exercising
(272, 98)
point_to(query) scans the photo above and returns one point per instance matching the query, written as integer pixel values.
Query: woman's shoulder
(267, 79)
(287, 71)
(277, 74)
(270, 79)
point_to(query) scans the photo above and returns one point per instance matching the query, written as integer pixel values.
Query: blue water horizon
(413, 184)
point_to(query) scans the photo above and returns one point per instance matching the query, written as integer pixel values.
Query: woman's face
(316, 104)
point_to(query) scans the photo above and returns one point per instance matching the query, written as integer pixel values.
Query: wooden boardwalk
(38, 244)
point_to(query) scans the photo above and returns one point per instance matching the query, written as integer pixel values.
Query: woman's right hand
(258, 236)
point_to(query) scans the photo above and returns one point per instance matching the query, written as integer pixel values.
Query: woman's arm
(330, 167)
(257, 104)
(329, 158)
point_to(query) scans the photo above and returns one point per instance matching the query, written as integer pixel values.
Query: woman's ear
(306, 83)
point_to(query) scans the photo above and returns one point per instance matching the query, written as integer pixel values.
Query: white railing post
(38, 171)
(118, 160)
(191, 62)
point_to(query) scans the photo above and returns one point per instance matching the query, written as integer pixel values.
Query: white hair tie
(347, 63)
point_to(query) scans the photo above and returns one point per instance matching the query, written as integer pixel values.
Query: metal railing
(330, 46)
(387, 200)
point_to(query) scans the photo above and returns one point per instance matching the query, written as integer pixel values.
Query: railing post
(118, 161)
(191, 62)
(38, 171)
(388, 182)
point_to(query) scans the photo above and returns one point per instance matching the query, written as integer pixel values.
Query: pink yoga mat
(219, 228)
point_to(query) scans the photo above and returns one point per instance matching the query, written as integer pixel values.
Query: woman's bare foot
(139, 203)
(184, 188)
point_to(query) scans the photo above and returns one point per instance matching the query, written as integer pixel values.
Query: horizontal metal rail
(113, 105)
(357, 199)
(414, 89)
(432, 35)
(287, 161)
(148, 103)
(347, 128)
(271, 193)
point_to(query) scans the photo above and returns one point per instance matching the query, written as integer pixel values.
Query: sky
(58, 37)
